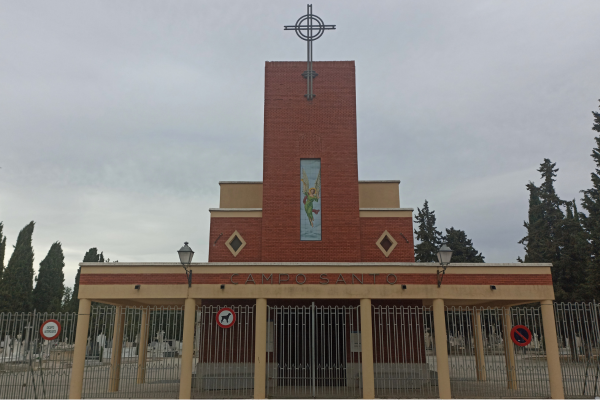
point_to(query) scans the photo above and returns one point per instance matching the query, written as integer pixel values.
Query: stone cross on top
(309, 28)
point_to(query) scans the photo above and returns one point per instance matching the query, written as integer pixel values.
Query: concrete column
(479, 351)
(81, 335)
(554, 371)
(117, 349)
(441, 348)
(260, 350)
(366, 339)
(509, 351)
(187, 351)
(143, 346)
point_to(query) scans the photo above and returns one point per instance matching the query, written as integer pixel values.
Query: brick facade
(401, 230)
(323, 128)
(222, 228)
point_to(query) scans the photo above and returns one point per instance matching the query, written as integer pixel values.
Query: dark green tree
(591, 221)
(90, 256)
(555, 238)
(66, 300)
(551, 212)
(2, 250)
(462, 247)
(429, 237)
(17, 282)
(48, 292)
(551, 229)
(533, 241)
(570, 269)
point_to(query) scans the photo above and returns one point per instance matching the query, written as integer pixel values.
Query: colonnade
(443, 372)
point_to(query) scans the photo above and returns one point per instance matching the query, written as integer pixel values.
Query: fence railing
(484, 362)
(31, 367)
(404, 357)
(578, 333)
(312, 351)
(225, 357)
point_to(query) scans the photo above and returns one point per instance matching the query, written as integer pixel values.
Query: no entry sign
(225, 317)
(520, 335)
(50, 329)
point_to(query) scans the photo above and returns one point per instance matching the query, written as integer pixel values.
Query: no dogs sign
(225, 317)
(50, 329)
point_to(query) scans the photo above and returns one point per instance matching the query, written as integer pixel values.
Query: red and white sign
(225, 317)
(50, 329)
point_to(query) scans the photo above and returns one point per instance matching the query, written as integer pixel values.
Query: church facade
(310, 261)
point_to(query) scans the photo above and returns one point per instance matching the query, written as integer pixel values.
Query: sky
(119, 118)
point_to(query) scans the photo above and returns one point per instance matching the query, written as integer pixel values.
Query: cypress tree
(547, 230)
(90, 256)
(533, 241)
(570, 269)
(429, 237)
(66, 300)
(551, 212)
(462, 247)
(551, 230)
(17, 281)
(49, 290)
(2, 249)
(591, 222)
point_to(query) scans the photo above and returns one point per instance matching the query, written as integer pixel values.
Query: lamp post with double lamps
(185, 256)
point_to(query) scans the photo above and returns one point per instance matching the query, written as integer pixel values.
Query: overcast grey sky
(118, 118)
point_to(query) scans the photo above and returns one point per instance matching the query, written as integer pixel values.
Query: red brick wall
(249, 228)
(372, 228)
(323, 128)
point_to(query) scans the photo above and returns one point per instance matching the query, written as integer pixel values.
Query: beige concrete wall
(241, 195)
(371, 194)
(476, 294)
(455, 294)
(379, 194)
(385, 213)
(234, 213)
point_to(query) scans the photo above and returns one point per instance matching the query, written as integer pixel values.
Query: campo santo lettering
(322, 279)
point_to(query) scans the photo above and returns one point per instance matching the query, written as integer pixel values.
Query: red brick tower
(323, 128)
(360, 221)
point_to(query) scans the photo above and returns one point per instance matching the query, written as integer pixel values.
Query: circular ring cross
(309, 23)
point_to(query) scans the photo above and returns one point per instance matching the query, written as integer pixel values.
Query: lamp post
(185, 256)
(444, 255)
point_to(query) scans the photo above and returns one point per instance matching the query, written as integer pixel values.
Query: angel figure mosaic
(310, 195)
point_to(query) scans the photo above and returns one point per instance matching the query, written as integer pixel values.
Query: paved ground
(581, 380)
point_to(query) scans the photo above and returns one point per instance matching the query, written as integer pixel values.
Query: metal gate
(578, 333)
(225, 356)
(495, 367)
(314, 351)
(146, 341)
(31, 367)
(404, 358)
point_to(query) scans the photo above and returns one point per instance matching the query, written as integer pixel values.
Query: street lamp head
(185, 254)
(444, 254)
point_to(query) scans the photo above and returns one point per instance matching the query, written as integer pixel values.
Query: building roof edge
(289, 264)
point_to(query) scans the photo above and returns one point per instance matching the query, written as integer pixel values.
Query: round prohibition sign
(225, 317)
(50, 329)
(520, 335)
